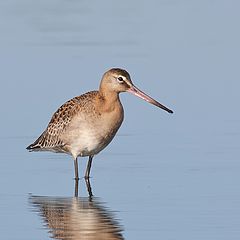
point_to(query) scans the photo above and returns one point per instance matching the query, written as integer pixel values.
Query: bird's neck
(109, 100)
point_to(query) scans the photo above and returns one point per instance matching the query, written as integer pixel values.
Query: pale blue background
(166, 176)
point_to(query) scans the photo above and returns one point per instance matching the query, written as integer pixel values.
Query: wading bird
(85, 125)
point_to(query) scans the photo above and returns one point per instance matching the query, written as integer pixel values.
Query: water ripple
(76, 218)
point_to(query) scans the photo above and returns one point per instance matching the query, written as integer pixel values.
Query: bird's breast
(88, 134)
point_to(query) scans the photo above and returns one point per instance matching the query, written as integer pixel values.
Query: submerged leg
(76, 168)
(88, 167)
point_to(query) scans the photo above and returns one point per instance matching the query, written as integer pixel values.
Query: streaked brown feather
(50, 139)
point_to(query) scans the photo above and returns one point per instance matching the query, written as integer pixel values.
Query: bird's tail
(37, 145)
(33, 147)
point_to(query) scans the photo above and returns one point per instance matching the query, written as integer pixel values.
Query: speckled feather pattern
(51, 137)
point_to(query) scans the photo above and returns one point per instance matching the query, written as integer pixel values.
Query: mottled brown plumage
(85, 125)
(51, 138)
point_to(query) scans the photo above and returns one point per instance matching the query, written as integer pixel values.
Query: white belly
(88, 143)
(85, 138)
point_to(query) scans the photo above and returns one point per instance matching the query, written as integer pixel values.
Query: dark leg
(88, 184)
(76, 187)
(76, 168)
(88, 167)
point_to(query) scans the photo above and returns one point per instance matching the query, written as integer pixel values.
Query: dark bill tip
(137, 92)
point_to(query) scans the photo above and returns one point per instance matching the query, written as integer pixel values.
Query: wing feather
(50, 139)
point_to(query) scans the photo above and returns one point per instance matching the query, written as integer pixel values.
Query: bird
(86, 124)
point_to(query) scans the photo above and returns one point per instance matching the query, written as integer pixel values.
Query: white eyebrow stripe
(123, 77)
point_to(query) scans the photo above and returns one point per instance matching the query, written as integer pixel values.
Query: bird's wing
(51, 137)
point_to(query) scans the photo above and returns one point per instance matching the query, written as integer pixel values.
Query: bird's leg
(76, 188)
(76, 168)
(88, 167)
(88, 184)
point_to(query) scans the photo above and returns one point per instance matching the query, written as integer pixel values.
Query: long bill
(137, 92)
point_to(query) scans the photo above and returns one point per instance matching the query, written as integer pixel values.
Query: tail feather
(46, 143)
(33, 147)
(37, 145)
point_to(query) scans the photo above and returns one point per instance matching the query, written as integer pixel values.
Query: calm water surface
(163, 176)
(76, 218)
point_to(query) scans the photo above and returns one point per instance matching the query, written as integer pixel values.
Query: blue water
(163, 176)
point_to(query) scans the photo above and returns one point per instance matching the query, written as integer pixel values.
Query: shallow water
(163, 176)
(76, 218)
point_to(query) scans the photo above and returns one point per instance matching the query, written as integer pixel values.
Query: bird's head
(118, 80)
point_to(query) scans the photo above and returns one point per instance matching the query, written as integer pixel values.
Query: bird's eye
(120, 79)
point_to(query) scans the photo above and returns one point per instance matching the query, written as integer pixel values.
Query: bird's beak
(137, 92)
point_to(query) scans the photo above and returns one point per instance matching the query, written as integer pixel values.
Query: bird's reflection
(77, 217)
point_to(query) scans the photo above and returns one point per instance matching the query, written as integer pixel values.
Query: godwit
(85, 125)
